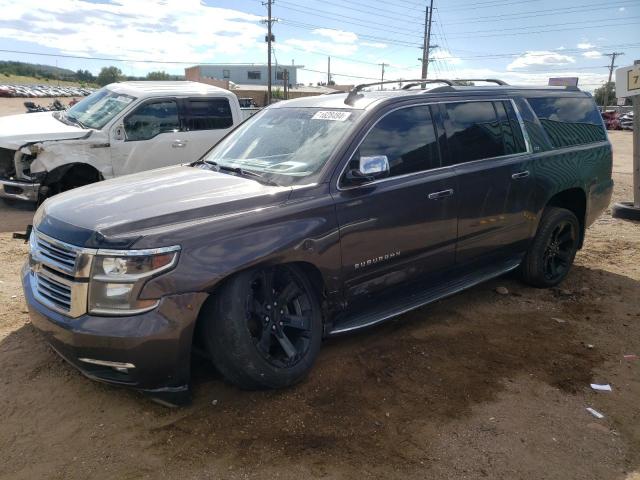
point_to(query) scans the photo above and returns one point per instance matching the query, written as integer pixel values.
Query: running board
(398, 306)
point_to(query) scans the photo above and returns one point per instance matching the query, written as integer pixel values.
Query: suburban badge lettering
(372, 261)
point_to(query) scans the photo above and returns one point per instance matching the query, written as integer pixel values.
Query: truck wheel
(263, 328)
(553, 249)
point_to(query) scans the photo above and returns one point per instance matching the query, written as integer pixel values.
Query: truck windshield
(288, 144)
(98, 109)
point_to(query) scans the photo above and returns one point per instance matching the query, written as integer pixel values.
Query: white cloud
(172, 30)
(592, 54)
(585, 45)
(621, 9)
(338, 36)
(374, 44)
(541, 57)
(562, 47)
(445, 56)
(318, 46)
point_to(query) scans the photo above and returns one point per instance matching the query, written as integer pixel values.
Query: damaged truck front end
(34, 171)
(17, 181)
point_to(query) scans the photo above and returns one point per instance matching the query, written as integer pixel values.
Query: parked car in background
(611, 120)
(123, 128)
(315, 217)
(42, 91)
(626, 121)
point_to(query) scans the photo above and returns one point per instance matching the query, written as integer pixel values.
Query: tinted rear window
(473, 131)
(569, 121)
(208, 114)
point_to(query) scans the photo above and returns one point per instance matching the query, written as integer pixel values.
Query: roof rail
(489, 80)
(354, 93)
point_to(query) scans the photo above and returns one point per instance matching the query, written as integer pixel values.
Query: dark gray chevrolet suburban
(315, 217)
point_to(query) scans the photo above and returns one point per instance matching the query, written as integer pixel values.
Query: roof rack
(457, 81)
(354, 93)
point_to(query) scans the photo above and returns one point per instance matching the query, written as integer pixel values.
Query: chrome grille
(54, 291)
(60, 274)
(57, 254)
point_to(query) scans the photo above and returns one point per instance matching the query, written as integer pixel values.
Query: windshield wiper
(73, 120)
(242, 172)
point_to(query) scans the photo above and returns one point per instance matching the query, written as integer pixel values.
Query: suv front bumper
(19, 190)
(150, 352)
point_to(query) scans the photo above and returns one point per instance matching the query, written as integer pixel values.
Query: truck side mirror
(118, 132)
(370, 168)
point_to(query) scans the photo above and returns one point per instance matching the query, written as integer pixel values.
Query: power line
(475, 6)
(539, 13)
(308, 26)
(341, 19)
(538, 26)
(379, 13)
(545, 31)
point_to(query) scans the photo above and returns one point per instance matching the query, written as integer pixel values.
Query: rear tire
(263, 328)
(551, 254)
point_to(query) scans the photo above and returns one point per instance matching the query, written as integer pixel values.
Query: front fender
(300, 230)
(53, 154)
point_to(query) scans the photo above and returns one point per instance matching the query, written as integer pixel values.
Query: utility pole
(608, 85)
(269, 38)
(426, 44)
(382, 76)
(328, 71)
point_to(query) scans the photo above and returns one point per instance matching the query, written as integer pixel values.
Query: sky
(519, 41)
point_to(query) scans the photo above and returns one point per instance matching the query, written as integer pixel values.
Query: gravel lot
(480, 385)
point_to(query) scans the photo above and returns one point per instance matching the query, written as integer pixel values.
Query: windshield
(287, 144)
(99, 108)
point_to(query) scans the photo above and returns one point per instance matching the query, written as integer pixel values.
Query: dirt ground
(477, 386)
(15, 105)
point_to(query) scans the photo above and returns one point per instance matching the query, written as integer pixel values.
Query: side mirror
(118, 132)
(369, 169)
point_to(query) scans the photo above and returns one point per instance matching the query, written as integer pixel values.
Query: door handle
(519, 175)
(442, 194)
(179, 144)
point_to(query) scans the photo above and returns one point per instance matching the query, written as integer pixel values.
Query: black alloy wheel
(263, 327)
(279, 316)
(560, 250)
(550, 255)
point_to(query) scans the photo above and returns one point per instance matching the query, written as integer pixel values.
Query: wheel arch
(311, 271)
(575, 200)
(81, 169)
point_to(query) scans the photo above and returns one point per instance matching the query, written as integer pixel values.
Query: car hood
(17, 130)
(115, 213)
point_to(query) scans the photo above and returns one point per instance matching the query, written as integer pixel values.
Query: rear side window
(473, 131)
(408, 139)
(569, 121)
(208, 114)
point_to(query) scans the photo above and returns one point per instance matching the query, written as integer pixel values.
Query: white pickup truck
(122, 128)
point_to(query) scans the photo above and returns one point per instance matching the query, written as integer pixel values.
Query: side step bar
(419, 298)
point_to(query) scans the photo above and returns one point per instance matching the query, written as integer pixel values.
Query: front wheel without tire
(553, 249)
(263, 328)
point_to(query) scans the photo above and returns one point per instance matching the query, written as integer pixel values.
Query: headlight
(117, 277)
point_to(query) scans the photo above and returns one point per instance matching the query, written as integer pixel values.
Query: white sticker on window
(331, 115)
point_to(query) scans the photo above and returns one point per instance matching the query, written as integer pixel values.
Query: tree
(85, 76)
(109, 75)
(160, 75)
(599, 94)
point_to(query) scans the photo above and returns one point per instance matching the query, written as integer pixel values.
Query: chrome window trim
(441, 102)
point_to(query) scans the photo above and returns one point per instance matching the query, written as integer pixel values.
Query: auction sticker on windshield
(331, 115)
